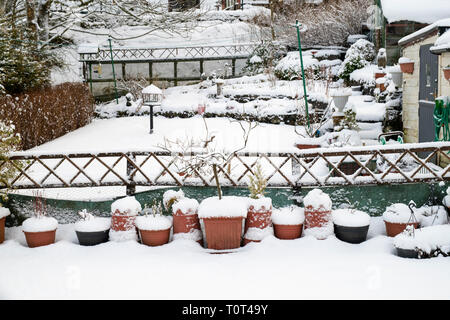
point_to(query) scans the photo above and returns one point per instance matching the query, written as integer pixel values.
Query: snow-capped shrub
(264, 56)
(359, 55)
(289, 68)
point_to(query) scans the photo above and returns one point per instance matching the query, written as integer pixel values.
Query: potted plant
(425, 242)
(154, 228)
(447, 72)
(222, 218)
(124, 212)
(406, 65)
(39, 230)
(4, 212)
(399, 215)
(318, 218)
(186, 221)
(288, 222)
(350, 225)
(259, 207)
(257, 234)
(92, 230)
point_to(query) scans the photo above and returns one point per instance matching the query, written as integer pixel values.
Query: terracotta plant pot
(447, 73)
(317, 218)
(2, 229)
(246, 241)
(223, 233)
(351, 234)
(257, 219)
(381, 86)
(407, 67)
(287, 231)
(122, 222)
(154, 237)
(184, 223)
(393, 229)
(307, 146)
(379, 75)
(92, 238)
(38, 239)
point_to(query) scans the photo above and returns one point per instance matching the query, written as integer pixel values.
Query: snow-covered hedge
(47, 114)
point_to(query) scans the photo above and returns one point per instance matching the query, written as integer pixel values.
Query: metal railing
(128, 54)
(388, 164)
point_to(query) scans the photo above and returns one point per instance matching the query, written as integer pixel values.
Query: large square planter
(223, 232)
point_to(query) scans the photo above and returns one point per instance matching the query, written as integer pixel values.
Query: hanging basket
(407, 67)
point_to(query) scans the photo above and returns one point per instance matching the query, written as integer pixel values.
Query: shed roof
(415, 10)
(422, 33)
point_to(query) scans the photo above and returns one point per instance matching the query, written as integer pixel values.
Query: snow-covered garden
(294, 122)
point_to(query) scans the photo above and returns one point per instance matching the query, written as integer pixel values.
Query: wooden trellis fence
(149, 59)
(406, 163)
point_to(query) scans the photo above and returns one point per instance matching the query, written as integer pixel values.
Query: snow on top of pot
(258, 234)
(431, 215)
(404, 60)
(35, 224)
(288, 215)
(4, 212)
(317, 199)
(227, 207)
(153, 222)
(127, 206)
(172, 196)
(193, 234)
(341, 92)
(186, 206)
(426, 239)
(93, 225)
(398, 213)
(260, 204)
(350, 218)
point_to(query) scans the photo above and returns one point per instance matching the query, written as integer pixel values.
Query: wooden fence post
(131, 186)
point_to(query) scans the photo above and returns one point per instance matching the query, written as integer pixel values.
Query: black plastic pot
(351, 234)
(92, 238)
(407, 253)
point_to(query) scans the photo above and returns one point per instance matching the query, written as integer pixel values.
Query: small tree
(258, 183)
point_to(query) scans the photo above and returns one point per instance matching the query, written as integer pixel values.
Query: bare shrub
(44, 115)
(329, 23)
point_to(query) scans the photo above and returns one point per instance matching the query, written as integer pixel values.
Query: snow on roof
(424, 31)
(442, 43)
(415, 10)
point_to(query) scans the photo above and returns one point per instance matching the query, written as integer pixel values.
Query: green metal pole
(297, 25)
(114, 73)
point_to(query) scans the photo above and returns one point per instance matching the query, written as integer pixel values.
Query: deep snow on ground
(304, 268)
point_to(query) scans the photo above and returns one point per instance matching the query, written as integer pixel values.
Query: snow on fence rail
(405, 163)
(167, 53)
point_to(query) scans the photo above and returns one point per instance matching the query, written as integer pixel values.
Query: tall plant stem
(216, 177)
